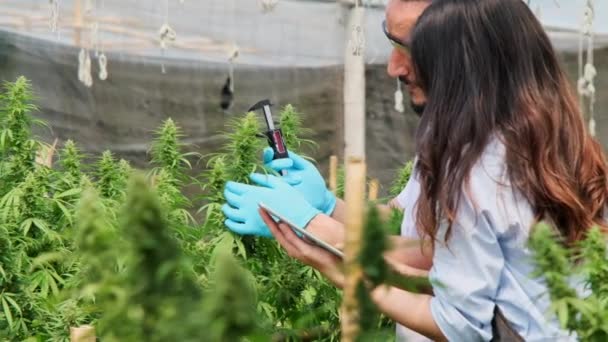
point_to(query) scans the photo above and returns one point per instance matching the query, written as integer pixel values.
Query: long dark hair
(489, 69)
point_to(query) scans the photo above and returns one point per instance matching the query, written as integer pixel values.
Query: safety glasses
(395, 42)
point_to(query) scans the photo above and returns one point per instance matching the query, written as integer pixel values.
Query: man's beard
(417, 108)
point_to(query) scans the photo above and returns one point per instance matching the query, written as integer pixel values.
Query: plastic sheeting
(121, 113)
(294, 33)
(291, 55)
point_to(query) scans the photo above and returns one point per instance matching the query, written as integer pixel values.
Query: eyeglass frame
(395, 42)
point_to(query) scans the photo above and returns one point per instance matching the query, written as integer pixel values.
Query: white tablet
(306, 233)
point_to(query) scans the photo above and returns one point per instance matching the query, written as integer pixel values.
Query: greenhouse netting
(155, 59)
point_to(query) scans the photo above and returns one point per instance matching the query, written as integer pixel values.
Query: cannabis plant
(66, 183)
(111, 179)
(94, 258)
(401, 179)
(17, 148)
(216, 177)
(167, 152)
(374, 242)
(293, 129)
(34, 223)
(293, 299)
(26, 229)
(131, 260)
(159, 298)
(585, 315)
(244, 148)
(230, 305)
(398, 184)
(169, 174)
(70, 161)
(175, 203)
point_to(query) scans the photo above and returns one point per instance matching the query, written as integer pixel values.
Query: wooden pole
(355, 209)
(83, 333)
(374, 185)
(354, 86)
(333, 174)
(354, 155)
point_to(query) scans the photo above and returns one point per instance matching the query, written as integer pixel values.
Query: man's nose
(398, 64)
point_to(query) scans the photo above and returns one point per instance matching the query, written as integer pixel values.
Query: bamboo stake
(44, 155)
(355, 208)
(83, 333)
(374, 185)
(333, 174)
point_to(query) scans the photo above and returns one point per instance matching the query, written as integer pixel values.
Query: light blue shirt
(486, 261)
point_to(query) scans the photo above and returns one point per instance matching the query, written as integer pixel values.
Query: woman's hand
(325, 262)
(243, 200)
(411, 310)
(303, 176)
(405, 269)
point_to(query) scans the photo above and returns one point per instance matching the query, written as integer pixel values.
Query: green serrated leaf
(561, 308)
(13, 303)
(66, 213)
(68, 193)
(26, 225)
(7, 313)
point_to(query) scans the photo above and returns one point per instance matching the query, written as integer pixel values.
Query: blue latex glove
(304, 177)
(243, 204)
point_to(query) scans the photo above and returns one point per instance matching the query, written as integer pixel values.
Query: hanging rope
(103, 67)
(399, 98)
(95, 37)
(54, 19)
(167, 35)
(84, 57)
(88, 78)
(101, 56)
(232, 56)
(81, 58)
(268, 5)
(88, 6)
(84, 67)
(587, 71)
(227, 93)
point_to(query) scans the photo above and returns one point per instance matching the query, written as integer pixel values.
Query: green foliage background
(109, 246)
(585, 314)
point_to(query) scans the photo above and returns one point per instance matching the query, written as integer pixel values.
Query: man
(401, 16)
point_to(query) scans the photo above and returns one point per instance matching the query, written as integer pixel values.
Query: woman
(501, 145)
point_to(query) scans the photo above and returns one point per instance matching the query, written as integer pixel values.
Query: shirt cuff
(454, 325)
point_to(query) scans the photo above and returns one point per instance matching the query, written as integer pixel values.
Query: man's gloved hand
(243, 204)
(304, 177)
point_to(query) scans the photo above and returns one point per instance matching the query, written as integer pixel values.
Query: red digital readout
(279, 141)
